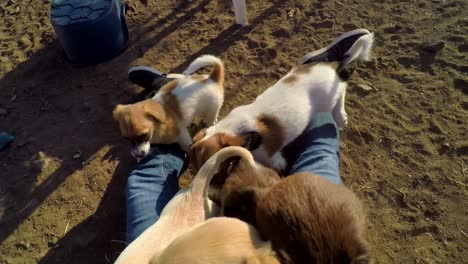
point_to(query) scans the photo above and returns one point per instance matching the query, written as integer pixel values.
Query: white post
(240, 9)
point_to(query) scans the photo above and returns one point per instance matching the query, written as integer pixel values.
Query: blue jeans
(155, 181)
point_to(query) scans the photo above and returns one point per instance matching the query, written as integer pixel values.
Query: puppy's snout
(140, 150)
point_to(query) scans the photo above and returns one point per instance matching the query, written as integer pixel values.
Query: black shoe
(147, 77)
(337, 50)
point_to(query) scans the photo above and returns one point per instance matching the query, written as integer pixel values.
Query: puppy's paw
(341, 119)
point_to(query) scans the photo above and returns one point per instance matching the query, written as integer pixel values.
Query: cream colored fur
(219, 240)
(186, 209)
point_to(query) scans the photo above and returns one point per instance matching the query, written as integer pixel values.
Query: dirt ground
(404, 152)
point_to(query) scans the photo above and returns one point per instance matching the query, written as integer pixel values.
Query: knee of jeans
(327, 167)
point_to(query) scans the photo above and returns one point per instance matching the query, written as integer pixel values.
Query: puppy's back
(219, 240)
(310, 220)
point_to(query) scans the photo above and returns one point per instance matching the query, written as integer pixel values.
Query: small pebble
(52, 242)
(363, 89)
(24, 42)
(23, 245)
(38, 162)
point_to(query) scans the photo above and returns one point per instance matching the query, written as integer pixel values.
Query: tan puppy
(186, 209)
(164, 118)
(219, 240)
(307, 218)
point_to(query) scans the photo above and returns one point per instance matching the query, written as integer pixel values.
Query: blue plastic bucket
(90, 31)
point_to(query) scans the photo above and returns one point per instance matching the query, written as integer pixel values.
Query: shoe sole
(144, 68)
(338, 39)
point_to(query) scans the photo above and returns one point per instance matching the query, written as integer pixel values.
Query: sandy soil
(404, 152)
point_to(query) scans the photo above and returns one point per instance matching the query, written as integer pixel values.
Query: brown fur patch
(168, 131)
(304, 69)
(169, 87)
(201, 151)
(311, 220)
(137, 119)
(290, 80)
(146, 117)
(198, 78)
(243, 184)
(171, 104)
(218, 75)
(272, 133)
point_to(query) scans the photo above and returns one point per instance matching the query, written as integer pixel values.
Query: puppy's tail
(361, 49)
(201, 182)
(217, 74)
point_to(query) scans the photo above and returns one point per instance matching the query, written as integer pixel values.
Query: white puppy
(283, 111)
(164, 118)
(186, 209)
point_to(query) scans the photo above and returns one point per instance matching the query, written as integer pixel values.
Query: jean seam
(162, 167)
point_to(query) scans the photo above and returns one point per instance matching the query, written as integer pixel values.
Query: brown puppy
(307, 218)
(311, 220)
(242, 184)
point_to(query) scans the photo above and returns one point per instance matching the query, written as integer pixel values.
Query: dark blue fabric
(150, 187)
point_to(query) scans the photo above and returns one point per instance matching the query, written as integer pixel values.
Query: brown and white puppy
(282, 112)
(219, 240)
(186, 209)
(164, 118)
(307, 218)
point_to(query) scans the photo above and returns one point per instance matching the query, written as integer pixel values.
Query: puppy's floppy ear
(252, 140)
(242, 204)
(199, 135)
(117, 111)
(154, 110)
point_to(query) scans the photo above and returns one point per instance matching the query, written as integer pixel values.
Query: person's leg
(151, 186)
(317, 149)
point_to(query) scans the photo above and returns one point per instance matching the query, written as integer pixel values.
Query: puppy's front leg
(278, 162)
(339, 113)
(184, 140)
(211, 116)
